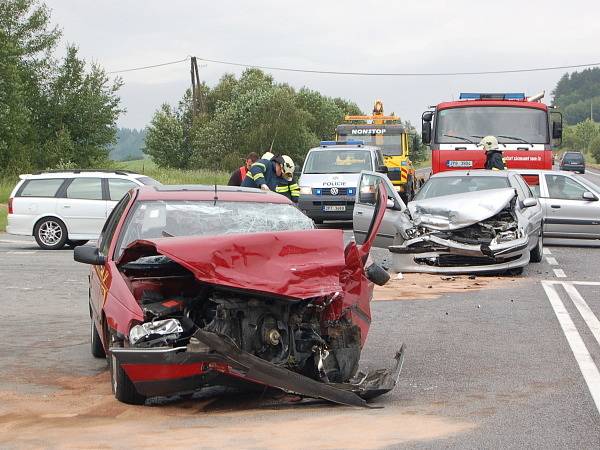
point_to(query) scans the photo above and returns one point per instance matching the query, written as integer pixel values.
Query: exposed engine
(285, 332)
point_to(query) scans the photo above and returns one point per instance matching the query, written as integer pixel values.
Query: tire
(50, 233)
(537, 254)
(74, 244)
(122, 387)
(95, 342)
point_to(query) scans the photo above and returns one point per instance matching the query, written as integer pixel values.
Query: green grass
(6, 186)
(3, 213)
(174, 176)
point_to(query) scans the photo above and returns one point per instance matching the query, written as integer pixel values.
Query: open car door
(365, 205)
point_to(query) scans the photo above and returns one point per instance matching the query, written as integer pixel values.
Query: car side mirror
(390, 204)
(589, 196)
(529, 202)
(382, 169)
(89, 255)
(557, 126)
(426, 127)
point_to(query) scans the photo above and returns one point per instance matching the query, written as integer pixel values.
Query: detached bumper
(433, 254)
(211, 359)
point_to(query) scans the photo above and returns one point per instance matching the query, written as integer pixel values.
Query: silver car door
(568, 214)
(364, 209)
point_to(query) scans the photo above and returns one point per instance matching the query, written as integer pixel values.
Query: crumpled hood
(452, 212)
(296, 264)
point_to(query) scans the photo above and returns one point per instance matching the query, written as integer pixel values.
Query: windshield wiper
(517, 139)
(462, 138)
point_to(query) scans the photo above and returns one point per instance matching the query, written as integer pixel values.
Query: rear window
(573, 157)
(41, 187)
(438, 187)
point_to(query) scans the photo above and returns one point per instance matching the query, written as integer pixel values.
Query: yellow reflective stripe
(295, 194)
(260, 164)
(257, 176)
(249, 175)
(281, 189)
(294, 186)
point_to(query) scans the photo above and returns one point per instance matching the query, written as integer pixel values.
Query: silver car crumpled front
(477, 224)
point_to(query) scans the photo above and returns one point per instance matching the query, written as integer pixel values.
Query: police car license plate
(459, 163)
(334, 208)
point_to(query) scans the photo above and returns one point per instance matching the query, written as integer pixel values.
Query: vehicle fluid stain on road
(421, 286)
(84, 414)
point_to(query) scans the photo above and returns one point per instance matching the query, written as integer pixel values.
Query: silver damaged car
(460, 222)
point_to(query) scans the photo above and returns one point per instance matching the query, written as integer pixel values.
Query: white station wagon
(67, 207)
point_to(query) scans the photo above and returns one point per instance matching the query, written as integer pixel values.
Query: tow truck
(526, 128)
(387, 133)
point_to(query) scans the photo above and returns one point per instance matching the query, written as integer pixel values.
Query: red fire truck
(526, 129)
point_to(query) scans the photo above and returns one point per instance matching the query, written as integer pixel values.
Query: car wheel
(537, 254)
(96, 343)
(122, 387)
(50, 233)
(74, 244)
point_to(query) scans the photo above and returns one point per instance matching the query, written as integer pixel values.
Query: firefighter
(286, 185)
(493, 155)
(263, 174)
(238, 176)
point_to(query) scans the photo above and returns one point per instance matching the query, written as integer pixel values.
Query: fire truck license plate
(459, 163)
(334, 208)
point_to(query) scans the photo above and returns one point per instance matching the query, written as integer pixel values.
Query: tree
(577, 94)
(594, 148)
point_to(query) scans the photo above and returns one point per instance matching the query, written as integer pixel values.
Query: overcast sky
(373, 36)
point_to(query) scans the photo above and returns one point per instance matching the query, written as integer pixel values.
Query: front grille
(327, 191)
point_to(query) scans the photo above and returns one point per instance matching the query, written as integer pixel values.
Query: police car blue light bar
(492, 96)
(351, 142)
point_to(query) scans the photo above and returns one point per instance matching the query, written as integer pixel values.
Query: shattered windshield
(160, 218)
(438, 187)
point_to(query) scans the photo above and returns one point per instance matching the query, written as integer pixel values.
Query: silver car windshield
(438, 187)
(156, 219)
(338, 161)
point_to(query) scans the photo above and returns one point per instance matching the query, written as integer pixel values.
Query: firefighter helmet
(489, 143)
(288, 167)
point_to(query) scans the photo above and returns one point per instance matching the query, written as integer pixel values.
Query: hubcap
(50, 233)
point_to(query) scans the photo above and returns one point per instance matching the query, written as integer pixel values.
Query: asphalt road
(512, 367)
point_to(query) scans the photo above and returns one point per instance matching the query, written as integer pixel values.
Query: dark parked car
(573, 161)
(197, 286)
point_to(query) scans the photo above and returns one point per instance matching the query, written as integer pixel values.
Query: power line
(364, 74)
(398, 74)
(150, 67)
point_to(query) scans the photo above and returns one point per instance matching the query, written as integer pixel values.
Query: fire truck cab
(526, 128)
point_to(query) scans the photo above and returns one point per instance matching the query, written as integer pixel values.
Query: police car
(330, 176)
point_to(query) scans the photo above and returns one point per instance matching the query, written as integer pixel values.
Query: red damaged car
(210, 285)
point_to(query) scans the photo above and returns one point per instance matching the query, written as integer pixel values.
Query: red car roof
(515, 103)
(206, 192)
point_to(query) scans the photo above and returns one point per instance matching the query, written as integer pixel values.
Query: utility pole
(196, 89)
(592, 110)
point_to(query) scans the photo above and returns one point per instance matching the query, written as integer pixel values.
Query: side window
(533, 181)
(85, 188)
(40, 187)
(118, 187)
(564, 188)
(514, 183)
(111, 224)
(524, 186)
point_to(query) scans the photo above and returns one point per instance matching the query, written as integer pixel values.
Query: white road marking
(560, 273)
(552, 260)
(590, 372)
(24, 252)
(546, 251)
(588, 315)
(8, 241)
(592, 172)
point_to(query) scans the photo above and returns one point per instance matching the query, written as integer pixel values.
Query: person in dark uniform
(493, 155)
